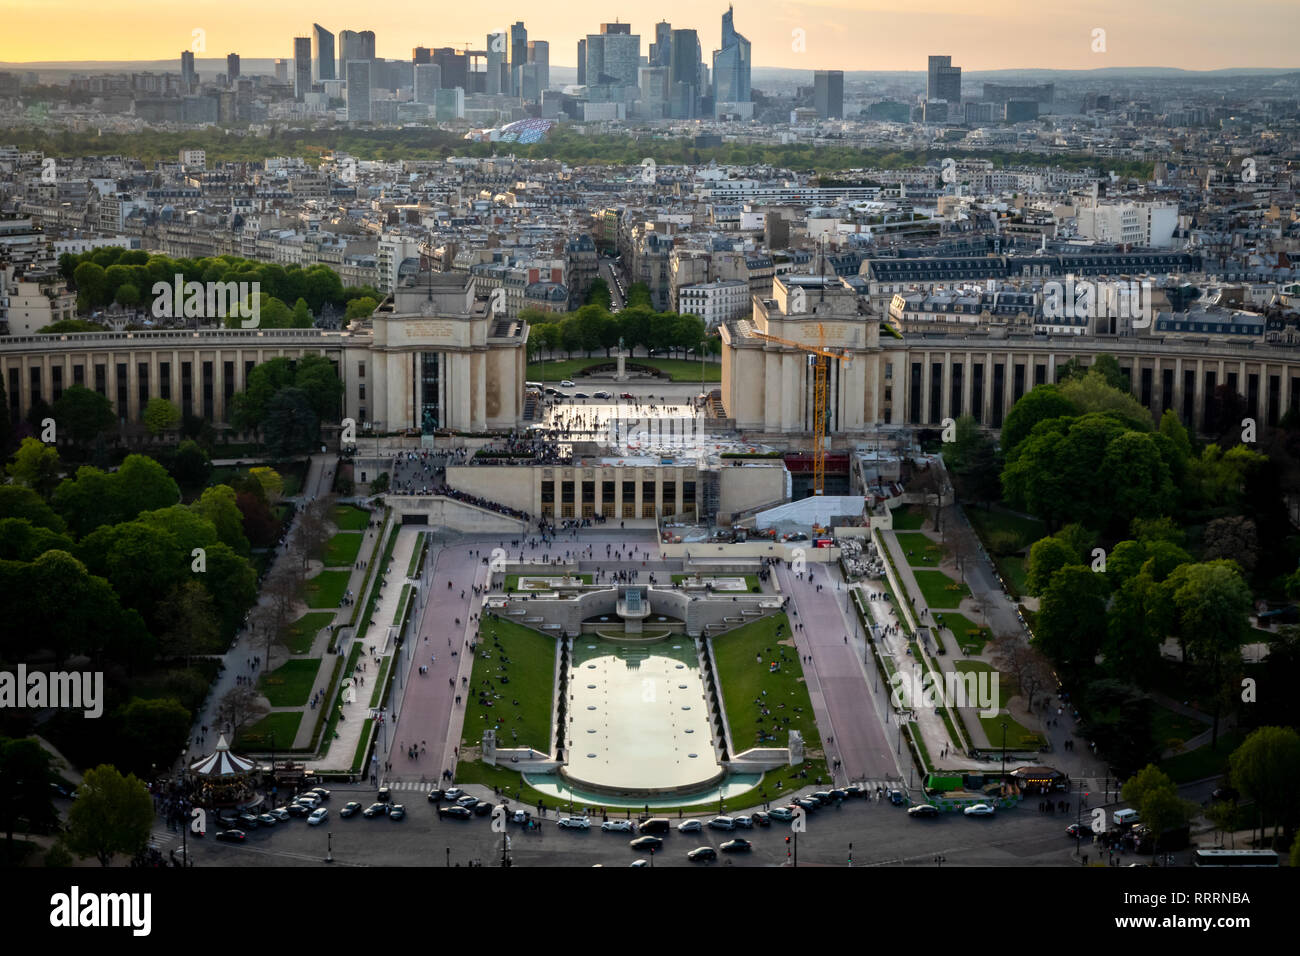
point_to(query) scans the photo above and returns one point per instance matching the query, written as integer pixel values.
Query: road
(844, 698)
(612, 278)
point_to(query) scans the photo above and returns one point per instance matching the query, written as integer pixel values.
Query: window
(361, 391)
(165, 380)
(361, 370)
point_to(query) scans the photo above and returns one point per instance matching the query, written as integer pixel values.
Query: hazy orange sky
(838, 34)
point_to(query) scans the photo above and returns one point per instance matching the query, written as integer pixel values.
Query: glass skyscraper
(731, 67)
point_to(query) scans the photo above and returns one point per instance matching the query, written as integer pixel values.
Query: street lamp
(939, 859)
(329, 847)
(1004, 756)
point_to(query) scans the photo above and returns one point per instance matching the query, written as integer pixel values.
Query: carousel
(223, 779)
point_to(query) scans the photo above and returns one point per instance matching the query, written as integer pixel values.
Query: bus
(1205, 857)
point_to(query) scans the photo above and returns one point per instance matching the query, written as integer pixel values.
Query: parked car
(781, 813)
(690, 826)
(467, 801)
(435, 795)
(397, 813)
(855, 791)
(453, 794)
(762, 818)
(318, 816)
(738, 844)
(923, 810)
(574, 823)
(601, 394)
(979, 810)
(308, 800)
(267, 819)
(824, 797)
(722, 823)
(617, 826)
(298, 810)
(808, 803)
(349, 808)
(646, 843)
(231, 836)
(655, 825)
(482, 808)
(702, 853)
(581, 395)
(321, 792)
(566, 384)
(280, 813)
(247, 820)
(455, 812)
(838, 794)
(375, 810)
(746, 821)
(627, 395)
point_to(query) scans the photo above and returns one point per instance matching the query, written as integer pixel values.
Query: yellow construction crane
(820, 367)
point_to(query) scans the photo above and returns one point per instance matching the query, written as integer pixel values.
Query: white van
(1125, 818)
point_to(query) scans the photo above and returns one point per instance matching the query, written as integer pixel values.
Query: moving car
(646, 843)
(690, 826)
(574, 823)
(601, 394)
(923, 810)
(375, 810)
(639, 863)
(762, 818)
(1076, 830)
(231, 836)
(838, 794)
(896, 798)
(482, 808)
(702, 853)
(397, 813)
(349, 808)
(746, 822)
(467, 801)
(318, 816)
(566, 384)
(627, 395)
(320, 792)
(311, 800)
(435, 795)
(455, 812)
(384, 795)
(824, 797)
(979, 810)
(655, 825)
(738, 844)
(617, 826)
(581, 395)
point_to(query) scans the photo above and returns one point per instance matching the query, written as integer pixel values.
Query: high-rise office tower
(613, 57)
(496, 80)
(944, 80)
(358, 77)
(189, 75)
(281, 70)
(421, 54)
(661, 51)
(232, 68)
(653, 83)
(354, 45)
(455, 67)
(684, 76)
(322, 53)
(828, 93)
(731, 67)
(582, 62)
(518, 55)
(301, 67)
(539, 55)
(428, 81)
(616, 29)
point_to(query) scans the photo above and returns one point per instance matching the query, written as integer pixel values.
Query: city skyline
(800, 35)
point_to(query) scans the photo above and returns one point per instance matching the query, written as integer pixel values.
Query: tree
(92, 286)
(302, 315)
(83, 414)
(25, 778)
(217, 504)
(1118, 719)
(36, 465)
(1046, 557)
(187, 622)
(361, 308)
(1023, 664)
(291, 425)
(271, 482)
(1041, 403)
(112, 814)
(316, 376)
(19, 502)
(191, 466)
(161, 415)
(242, 707)
(1071, 624)
(20, 540)
(152, 731)
(313, 529)
(1155, 797)
(598, 294)
(1233, 538)
(1265, 768)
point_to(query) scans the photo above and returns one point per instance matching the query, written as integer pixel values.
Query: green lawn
(997, 518)
(512, 580)
(531, 673)
(682, 370)
(401, 605)
(300, 634)
(417, 554)
(935, 588)
(1005, 690)
(350, 518)
(970, 643)
(751, 580)
(362, 746)
(290, 684)
(376, 695)
(744, 679)
(278, 730)
(1203, 762)
(326, 589)
(1018, 738)
(908, 518)
(341, 550)
(921, 551)
(1171, 728)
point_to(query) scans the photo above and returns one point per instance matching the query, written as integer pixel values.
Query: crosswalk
(164, 838)
(409, 785)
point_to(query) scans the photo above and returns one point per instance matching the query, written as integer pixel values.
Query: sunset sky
(838, 34)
